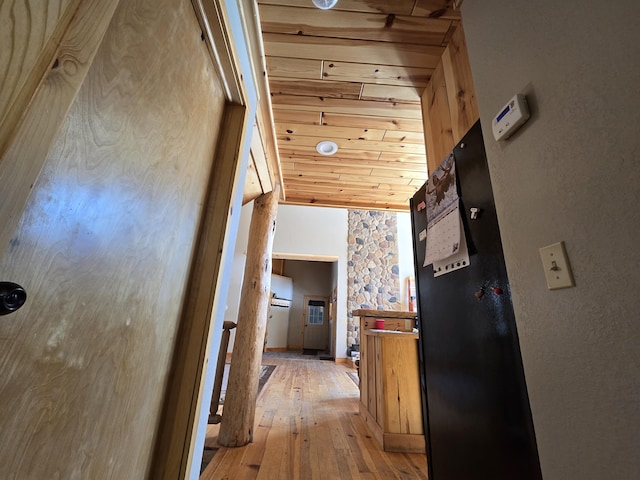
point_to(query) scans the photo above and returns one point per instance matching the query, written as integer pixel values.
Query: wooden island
(390, 401)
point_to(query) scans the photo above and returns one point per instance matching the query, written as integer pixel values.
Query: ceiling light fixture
(325, 4)
(326, 147)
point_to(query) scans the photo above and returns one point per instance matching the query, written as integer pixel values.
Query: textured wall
(317, 231)
(570, 174)
(372, 265)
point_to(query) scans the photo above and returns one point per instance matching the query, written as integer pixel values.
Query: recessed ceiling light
(326, 147)
(325, 4)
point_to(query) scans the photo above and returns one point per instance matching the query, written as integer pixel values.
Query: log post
(236, 428)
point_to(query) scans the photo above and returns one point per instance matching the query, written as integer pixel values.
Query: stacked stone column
(372, 267)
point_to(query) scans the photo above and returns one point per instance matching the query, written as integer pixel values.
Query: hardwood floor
(308, 427)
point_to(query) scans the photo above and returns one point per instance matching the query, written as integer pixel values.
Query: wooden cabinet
(390, 401)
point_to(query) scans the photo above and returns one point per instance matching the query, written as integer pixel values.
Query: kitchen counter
(390, 401)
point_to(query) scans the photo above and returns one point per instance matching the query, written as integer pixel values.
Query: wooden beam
(345, 50)
(374, 73)
(347, 106)
(325, 131)
(294, 68)
(377, 27)
(237, 424)
(175, 442)
(461, 92)
(289, 141)
(320, 88)
(437, 120)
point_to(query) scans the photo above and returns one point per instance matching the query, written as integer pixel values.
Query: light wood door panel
(104, 249)
(30, 32)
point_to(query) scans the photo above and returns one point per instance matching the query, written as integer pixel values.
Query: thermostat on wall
(511, 117)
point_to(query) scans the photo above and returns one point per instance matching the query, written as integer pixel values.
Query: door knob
(12, 297)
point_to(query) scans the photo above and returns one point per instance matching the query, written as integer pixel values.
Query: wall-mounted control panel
(510, 117)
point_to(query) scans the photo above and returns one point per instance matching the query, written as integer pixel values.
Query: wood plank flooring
(308, 427)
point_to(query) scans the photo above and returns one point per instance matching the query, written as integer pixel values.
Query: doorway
(315, 335)
(312, 281)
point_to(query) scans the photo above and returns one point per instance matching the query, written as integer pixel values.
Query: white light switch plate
(556, 266)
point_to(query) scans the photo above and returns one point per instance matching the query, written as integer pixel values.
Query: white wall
(405, 255)
(323, 232)
(237, 272)
(572, 173)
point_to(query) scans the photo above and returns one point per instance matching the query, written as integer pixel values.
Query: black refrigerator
(476, 409)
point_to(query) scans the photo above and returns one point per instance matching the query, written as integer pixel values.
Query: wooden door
(316, 324)
(104, 249)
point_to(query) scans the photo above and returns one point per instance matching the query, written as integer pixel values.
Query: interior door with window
(316, 324)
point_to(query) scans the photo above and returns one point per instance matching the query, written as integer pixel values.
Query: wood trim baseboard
(404, 443)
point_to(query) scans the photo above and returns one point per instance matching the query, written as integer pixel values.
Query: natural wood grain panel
(323, 171)
(380, 123)
(294, 68)
(390, 384)
(366, 44)
(436, 9)
(329, 132)
(461, 93)
(30, 32)
(398, 7)
(319, 88)
(404, 137)
(400, 173)
(401, 389)
(368, 179)
(389, 93)
(346, 194)
(259, 158)
(292, 171)
(349, 144)
(389, 157)
(348, 202)
(349, 107)
(354, 25)
(437, 119)
(252, 188)
(368, 188)
(26, 152)
(310, 152)
(393, 167)
(343, 50)
(104, 249)
(394, 201)
(374, 73)
(295, 116)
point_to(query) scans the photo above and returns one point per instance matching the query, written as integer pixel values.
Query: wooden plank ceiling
(353, 75)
